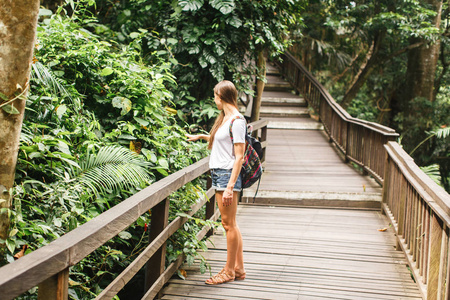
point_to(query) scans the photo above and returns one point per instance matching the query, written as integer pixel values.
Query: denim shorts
(220, 178)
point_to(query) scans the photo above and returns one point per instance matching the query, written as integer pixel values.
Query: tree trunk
(18, 22)
(261, 66)
(371, 62)
(418, 92)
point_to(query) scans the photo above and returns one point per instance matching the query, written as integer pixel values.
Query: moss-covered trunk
(18, 22)
(418, 93)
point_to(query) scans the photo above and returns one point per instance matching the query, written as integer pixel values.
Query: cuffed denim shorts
(220, 178)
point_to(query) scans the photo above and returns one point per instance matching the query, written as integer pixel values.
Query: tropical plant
(385, 40)
(99, 127)
(433, 172)
(207, 41)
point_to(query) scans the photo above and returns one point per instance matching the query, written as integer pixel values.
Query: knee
(227, 225)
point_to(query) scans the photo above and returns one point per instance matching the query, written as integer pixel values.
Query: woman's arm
(239, 154)
(193, 138)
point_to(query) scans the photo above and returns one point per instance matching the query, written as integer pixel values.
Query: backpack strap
(231, 126)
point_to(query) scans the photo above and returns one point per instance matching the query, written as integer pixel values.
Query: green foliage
(433, 172)
(111, 170)
(339, 39)
(207, 40)
(98, 128)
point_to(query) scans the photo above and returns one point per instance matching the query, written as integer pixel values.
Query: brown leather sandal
(219, 278)
(239, 276)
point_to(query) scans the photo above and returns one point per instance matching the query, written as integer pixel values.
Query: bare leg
(239, 267)
(235, 259)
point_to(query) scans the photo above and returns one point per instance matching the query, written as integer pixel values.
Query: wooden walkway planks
(306, 253)
(307, 158)
(303, 169)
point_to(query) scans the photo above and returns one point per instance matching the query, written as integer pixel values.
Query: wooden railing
(419, 210)
(48, 267)
(360, 141)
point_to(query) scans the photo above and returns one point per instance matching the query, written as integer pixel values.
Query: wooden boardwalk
(302, 167)
(301, 240)
(306, 253)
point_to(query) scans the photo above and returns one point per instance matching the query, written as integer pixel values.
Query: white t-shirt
(222, 152)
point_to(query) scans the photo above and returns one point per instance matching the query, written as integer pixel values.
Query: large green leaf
(224, 6)
(122, 103)
(191, 5)
(433, 172)
(112, 169)
(10, 109)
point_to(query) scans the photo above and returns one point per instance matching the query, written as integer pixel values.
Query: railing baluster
(426, 246)
(401, 210)
(422, 239)
(435, 257)
(210, 206)
(443, 264)
(156, 264)
(447, 279)
(55, 287)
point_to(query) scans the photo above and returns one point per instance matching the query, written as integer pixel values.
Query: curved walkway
(301, 239)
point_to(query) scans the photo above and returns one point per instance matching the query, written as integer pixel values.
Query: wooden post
(347, 138)
(55, 287)
(401, 209)
(210, 206)
(434, 257)
(256, 105)
(386, 184)
(155, 265)
(263, 139)
(365, 138)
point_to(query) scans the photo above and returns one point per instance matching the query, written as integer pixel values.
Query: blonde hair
(227, 93)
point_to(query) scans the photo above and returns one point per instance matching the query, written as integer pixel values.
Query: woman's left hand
(227, 197)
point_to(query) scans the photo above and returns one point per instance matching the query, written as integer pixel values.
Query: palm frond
(112, 169)
(433, 172)
(46, 77)
(442, 133)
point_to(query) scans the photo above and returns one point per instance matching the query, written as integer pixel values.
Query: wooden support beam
(156, 264)
(210, 206)
(55, 287)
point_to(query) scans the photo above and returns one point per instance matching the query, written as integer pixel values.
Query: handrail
(48, 266)
(419, 210)
(360, 141)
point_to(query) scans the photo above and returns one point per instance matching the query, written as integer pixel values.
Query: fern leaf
(442, 133)
(46, 77)
(111, 170)
(433, 172)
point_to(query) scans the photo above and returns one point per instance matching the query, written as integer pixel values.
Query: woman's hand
(196, 137)
(227, 197)
(192, 138)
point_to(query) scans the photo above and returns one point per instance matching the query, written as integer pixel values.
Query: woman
(225, 164)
